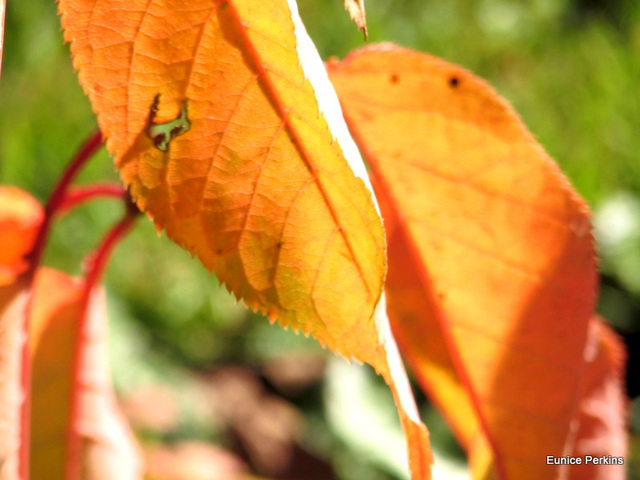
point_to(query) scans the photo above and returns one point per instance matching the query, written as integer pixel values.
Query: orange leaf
(492, 275)
(602, 427)
(108, 449)
(13, 307)
(255, 185)
(211, 111)
(20, 218)
(357, 14)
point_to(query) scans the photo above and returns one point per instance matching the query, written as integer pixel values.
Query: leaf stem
(97, 260)
(77, 196)
(90, 146)
(95, 265)
(57, 198)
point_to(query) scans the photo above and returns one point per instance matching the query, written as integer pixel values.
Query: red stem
(94, 267)
(58, 196)
(97, 261)
(76, 196)
(34, 257)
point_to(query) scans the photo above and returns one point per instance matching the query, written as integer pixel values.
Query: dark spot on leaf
(454, 82)
(132, 208)
(153, 111)
(177, 130)
(160, 141)
(394, 79)
(219, 251)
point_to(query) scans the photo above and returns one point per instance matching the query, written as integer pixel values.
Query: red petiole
(77, 196)
(94, 267)
(64, 198)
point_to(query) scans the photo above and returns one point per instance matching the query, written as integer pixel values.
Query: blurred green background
(571, 68)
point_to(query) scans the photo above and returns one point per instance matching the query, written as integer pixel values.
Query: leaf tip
(357, 14)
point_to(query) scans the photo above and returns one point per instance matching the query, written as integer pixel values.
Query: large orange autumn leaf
(492, 275)
(57, 305)
(210, 109)
(253, 183)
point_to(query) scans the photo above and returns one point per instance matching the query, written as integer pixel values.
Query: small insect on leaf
(163, 133)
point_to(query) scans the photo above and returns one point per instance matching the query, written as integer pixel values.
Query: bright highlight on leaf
(602, 417)
(492, 276)
(251, 180)
(20, 218)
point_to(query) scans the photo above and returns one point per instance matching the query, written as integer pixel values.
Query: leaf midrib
(297, 141)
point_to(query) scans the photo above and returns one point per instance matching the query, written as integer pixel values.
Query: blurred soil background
(214, 391)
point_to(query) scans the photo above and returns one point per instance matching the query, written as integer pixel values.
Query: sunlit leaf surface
(211, 112)
(492, 273)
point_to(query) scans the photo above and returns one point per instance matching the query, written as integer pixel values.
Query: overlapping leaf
(75, 384)
(492, 278)
(602, 407)
(20, 218)
(211, 114)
